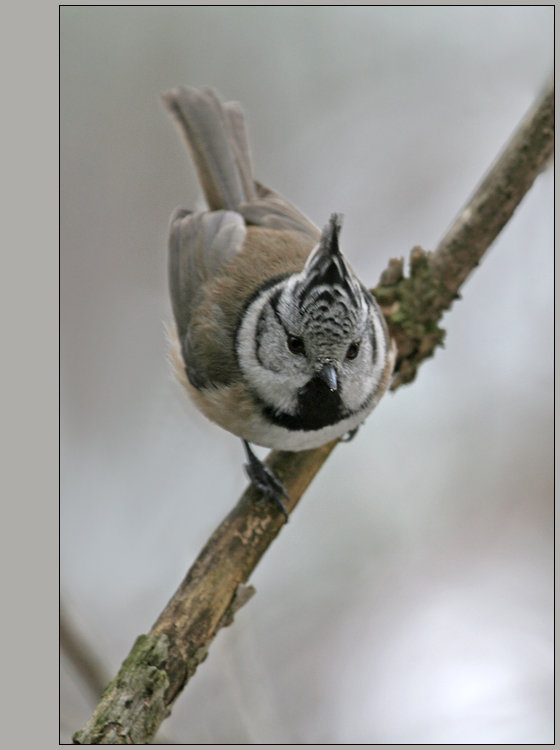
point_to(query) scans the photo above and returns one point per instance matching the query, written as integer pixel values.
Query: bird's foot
(265, 481)
(350, 435)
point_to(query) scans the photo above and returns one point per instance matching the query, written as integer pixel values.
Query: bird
(274, 338)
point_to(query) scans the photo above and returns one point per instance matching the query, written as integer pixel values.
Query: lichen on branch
(412, 306)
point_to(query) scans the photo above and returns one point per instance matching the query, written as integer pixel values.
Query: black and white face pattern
(312, 347)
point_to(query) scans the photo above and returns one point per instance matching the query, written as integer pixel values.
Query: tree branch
(161, 663)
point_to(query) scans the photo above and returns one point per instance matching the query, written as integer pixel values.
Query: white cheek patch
(277, 389)
(362, 376)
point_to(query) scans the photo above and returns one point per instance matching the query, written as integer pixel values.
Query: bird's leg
(264, 480)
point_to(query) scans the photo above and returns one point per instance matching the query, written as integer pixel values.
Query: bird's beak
(328, 375)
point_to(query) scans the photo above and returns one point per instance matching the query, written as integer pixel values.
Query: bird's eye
(353, 350)
(295, 344)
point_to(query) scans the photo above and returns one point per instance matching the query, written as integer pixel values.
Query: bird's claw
(265, 480)
(350, 435)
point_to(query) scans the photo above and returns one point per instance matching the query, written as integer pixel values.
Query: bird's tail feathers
(218, 142)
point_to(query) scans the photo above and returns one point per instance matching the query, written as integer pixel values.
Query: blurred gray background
(409, 600)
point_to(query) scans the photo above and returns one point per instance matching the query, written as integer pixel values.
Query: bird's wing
(199, 245)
